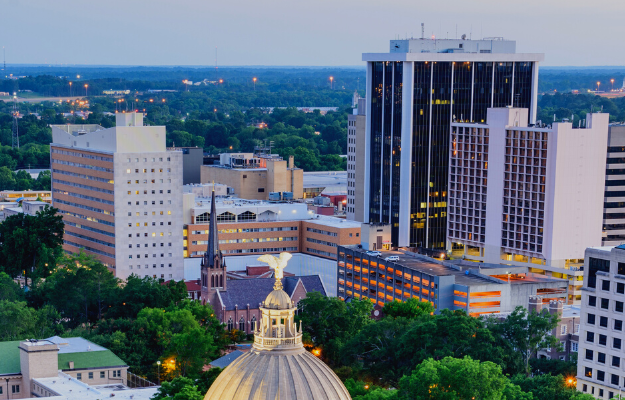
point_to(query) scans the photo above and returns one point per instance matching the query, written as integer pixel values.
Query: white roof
(325, 179)
(335, 222)
(72, 389)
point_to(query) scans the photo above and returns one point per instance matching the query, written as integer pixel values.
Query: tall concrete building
(414, 92)
(356, 161)
(601, 362)
(614, 206)
(120, 193)
(527, 195)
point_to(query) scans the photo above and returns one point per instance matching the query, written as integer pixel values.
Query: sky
(295, 32)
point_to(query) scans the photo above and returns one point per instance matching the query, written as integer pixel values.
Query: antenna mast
(216, 58)
(422, 30)
(15, 138)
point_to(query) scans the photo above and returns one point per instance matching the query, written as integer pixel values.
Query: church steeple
(213, 269)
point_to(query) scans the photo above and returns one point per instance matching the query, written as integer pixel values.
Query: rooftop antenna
(216, 58)
(481, 31)
(422, 30)
(456, 31)
(471, 33)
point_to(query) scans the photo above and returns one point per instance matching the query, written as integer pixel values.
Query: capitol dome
(277, 367)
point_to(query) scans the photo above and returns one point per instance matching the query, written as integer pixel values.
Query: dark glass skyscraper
(414, 93)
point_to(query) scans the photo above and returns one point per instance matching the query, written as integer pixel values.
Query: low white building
(527, 195)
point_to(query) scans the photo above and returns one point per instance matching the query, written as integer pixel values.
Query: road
(40, 99)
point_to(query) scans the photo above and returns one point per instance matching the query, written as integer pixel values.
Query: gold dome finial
(277, 264)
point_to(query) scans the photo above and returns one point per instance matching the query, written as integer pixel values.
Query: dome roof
(277, 375)
(278, 299)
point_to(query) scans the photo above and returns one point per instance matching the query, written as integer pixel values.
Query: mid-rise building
(414, 92)
(120, 193)
(601, 361)
(258, 227)
(477, 289)
(256, 176)
(527, 195)
(318, 182)
(356, 161)
(566, 332)
(614, 206)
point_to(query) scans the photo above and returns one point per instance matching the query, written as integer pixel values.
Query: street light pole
(158, 363)
(598, 84)
(254, 79)
(331, 82)
(70, 89)
(612, 80)
(86, 86)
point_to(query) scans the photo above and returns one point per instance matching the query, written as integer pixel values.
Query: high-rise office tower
(614, 203)
(414, 92)
(528, 196)
(355, 161)
(120, 193)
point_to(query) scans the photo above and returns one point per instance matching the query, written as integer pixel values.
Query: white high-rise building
(120, 193)
(601, 362)
(356, 162)
(527, 195)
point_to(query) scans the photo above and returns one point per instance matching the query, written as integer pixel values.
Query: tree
(9, 289)
(546, 387)
(31, 243)
(7, 179)
(180, 388)
(454, 378)
(411, 308)
(523, 333)
(19, 322)
(329, 322)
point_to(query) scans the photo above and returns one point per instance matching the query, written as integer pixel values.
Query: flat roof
(74, 345)
(460, 57)
(334, 222)
(325, 179)
(10, 360)
(71, 389)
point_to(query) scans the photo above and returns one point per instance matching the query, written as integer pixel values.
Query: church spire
(212, 252)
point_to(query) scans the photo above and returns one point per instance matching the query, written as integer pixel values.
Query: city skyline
(188, 33)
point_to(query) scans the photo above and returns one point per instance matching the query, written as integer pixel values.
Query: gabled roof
(90, 359)
(226, 360)
(254, 291)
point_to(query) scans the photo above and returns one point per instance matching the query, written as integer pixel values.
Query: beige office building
(257, 176)
(356, 162)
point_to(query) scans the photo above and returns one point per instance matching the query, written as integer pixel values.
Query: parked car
(392, 258)
(374, 253)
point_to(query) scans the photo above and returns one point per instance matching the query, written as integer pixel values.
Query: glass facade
(386, 115)
(442, 92)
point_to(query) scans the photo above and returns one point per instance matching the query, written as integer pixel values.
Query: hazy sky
(296, 32)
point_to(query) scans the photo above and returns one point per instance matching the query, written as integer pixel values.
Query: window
(563, 330)
(591, 319)
(619, 306)
(589, 354)
(102, 374)
(600, 376)
(618, 325)
(15, 388)
(253, 324)
(592, 301)
(595, 265)
(616, 361)
(601, 358)
(90, 375)
(620, 288)
(230, 324)
(261, 190)
(605, 285)
(620, 270)
(603, 340)
(603, 322)
(605, 304)
(616, 343)
(574, 347)
(79, 376)
(588, 372)
(242, 324)
(590, 337)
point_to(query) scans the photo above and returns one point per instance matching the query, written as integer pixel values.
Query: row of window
(146, 160)
(83, 155)
(605, 303)
(88, 228)
(89, 238)
(323, 242)
(138, 224)
(320, 252)
(241, 325)
(83, 196)
(14, 388)
(248, 230)
(591, 319)
(83, 176)
(146, 192)
(146, 245)
(600, 376)
(264, 250)
(78, 185)
(102, 375)
(79, 165)
(90, 249)
(322, 232)
(145, 213)
(147, 255)
(148, 266)
(92, 219)
(145, 170)
(145, 181)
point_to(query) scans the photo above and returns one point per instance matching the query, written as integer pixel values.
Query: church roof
(254, 291)
(213, 237)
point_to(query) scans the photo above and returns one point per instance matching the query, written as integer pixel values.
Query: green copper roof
(9, 358)
(90, 359)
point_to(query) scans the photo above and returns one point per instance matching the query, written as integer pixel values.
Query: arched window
(205, 217)
(212, 281)
(230, 324)
(253, 324)
(226, 217)
(242, 324)
(247, 216)
(221, 281)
